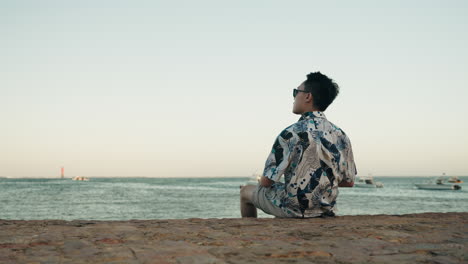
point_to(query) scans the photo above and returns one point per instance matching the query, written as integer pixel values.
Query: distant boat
(451, 179)
(253, 179)
(454, 179)
(367, 182)
(80, 178)
(256, 177)
(440, 183)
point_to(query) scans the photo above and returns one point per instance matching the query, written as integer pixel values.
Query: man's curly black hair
(324, 90)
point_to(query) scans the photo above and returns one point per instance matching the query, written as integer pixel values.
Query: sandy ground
(417, 238)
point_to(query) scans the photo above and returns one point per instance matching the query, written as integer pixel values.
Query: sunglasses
(295, 91)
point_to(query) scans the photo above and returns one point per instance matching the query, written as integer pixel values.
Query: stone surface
(417, 238)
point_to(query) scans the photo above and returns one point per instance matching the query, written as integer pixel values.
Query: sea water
(178, 198)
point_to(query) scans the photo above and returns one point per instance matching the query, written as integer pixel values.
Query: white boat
(454, 179)
(451, 179)
(367, 182)
(80, 178)
(438, 184)
(255, 178)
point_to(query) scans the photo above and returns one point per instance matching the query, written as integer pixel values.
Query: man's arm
(350, 169)
(278, 159)
(265, 182)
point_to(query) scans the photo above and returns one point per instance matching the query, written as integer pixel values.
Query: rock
(429, 237)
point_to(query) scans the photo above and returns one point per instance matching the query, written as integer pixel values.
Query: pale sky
(202, 88)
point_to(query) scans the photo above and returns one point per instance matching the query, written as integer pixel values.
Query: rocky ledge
(415, 238)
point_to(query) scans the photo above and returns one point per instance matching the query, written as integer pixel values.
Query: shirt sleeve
(350, 169)
(278, 160)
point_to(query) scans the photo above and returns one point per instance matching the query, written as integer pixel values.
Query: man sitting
(314, 155)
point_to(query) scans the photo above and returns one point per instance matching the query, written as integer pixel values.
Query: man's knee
(246, 192)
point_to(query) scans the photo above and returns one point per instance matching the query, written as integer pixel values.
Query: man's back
(314, 155)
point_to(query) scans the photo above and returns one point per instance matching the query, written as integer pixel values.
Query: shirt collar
(314, 114)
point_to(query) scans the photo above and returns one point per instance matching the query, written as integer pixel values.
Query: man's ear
(309, 97)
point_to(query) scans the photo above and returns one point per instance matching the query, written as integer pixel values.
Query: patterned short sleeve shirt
(314, 156)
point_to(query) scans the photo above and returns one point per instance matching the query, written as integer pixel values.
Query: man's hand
(265, 182)
(345, 184)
